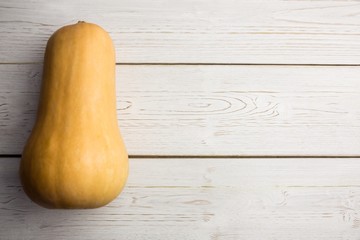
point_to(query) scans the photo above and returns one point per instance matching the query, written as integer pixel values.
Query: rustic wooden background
(242, 118)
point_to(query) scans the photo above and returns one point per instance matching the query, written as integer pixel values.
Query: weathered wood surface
(195, 31)
(212, 110)
(203, 110)
(202, 199)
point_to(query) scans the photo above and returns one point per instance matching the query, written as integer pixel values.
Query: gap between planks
(212, 64)
(210, 156)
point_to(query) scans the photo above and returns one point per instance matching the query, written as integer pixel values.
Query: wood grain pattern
(212, 110)
(199, 110)
(193, 31)
(202, 199)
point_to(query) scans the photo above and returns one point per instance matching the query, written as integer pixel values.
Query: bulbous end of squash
(66, 191)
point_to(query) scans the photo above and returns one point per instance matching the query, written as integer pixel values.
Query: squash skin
(75, 156)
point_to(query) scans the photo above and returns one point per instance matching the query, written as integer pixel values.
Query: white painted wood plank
(202, 199)
(211, 110)
(212, 31)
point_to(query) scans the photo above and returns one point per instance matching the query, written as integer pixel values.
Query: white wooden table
(242, 118)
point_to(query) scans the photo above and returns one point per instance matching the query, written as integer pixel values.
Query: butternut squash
(75, 156)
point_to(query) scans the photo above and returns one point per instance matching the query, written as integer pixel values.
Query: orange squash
(75, 156)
